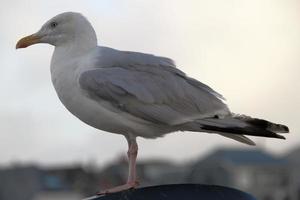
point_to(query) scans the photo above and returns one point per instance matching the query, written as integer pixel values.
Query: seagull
(135, 94)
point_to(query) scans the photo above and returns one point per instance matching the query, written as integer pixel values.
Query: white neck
(62, 53)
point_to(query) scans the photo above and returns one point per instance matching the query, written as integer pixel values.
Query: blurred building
(294, 159)
(19, 183)
(33, 183)
(254, 171)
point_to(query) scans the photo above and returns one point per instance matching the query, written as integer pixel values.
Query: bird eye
(53, 24)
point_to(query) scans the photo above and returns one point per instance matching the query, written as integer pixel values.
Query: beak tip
(19, 46)
(27, 41)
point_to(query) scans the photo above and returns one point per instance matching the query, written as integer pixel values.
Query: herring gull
(135, 94)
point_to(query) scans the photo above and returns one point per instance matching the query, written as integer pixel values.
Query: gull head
(68, 28)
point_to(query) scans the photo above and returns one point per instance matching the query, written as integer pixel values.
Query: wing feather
(151, 88)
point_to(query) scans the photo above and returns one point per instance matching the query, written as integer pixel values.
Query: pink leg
(132, 179)
(132, 155)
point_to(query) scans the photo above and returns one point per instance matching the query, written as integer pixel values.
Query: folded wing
(159, 94)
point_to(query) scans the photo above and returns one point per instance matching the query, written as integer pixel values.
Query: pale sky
(246, 50)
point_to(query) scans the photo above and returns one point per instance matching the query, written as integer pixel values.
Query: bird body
(134, 94)
(108, 115)
(99, 113)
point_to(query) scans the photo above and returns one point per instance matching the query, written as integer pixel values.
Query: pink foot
(127, 186)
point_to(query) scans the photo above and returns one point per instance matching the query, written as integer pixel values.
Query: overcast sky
(246, 50)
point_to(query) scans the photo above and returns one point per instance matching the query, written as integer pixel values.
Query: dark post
(178, 192)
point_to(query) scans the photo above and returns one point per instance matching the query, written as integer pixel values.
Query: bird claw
(127, 186)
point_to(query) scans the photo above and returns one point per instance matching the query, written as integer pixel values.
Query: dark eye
(53, 24)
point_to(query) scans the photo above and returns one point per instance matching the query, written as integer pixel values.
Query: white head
(68, 28)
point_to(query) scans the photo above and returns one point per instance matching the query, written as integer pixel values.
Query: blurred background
(246, 50)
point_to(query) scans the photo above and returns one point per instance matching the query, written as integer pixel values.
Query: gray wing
(157, 93)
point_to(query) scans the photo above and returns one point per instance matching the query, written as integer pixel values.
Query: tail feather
(236, 126)
(250, 130)
(239, 138)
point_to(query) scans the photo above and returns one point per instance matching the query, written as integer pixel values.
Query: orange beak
(27, 41)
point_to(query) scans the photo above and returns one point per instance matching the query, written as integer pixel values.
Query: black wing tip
(252, 131)
(285, 129)
(278, 128)
(263, 124)
(267, 133)
(252, 144)
(280, 137)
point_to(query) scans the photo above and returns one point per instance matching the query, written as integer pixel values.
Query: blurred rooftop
(254, 171)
